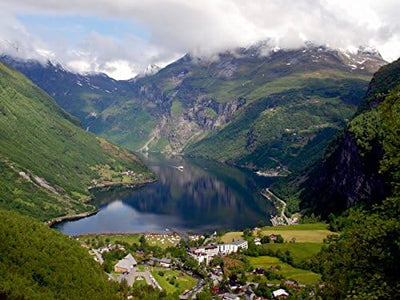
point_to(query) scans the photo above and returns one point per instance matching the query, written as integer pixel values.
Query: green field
(299, 251)
(159, 240)
(289, 272)
(181, 281)
(302, 233)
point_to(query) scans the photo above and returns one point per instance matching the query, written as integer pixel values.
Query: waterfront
(189, 195)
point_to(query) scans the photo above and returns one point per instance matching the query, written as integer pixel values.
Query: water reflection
(204, 196)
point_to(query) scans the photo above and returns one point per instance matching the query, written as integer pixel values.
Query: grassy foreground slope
(47, 163)
(40, 263)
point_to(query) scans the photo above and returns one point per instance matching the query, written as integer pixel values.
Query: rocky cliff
(363, 167)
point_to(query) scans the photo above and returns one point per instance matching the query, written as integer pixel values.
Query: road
(193, 291)
(270, 195)
(149, 278)
(99, 257)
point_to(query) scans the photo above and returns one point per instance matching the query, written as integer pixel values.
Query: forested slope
(47, 163)
(40, 263)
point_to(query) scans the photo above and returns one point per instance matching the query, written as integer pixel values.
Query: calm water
(205, 196)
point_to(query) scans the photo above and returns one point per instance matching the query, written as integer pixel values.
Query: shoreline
(104, 187)
(98, 188)
(123, 233)
(58, 220)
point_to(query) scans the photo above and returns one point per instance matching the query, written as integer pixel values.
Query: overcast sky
(122, 37)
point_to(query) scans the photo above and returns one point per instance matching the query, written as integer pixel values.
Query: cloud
(203, 27)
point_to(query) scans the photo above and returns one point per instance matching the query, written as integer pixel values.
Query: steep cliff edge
(364, 166)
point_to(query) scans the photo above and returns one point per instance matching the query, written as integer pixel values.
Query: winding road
(270, 195)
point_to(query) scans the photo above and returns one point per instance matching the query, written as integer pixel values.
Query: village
(191, 266)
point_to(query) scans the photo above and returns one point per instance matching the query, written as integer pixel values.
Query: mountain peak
(150, 70)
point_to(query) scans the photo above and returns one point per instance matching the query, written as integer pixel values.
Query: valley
(301, 139)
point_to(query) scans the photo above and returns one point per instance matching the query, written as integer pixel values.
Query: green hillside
(263, 112)
(47, 163)
(289, 129)
(40, 263)
(273, 112)
(362, 165)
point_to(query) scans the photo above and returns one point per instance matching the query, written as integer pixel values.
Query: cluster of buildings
(109, 247)
(205, 254)
(127, 268)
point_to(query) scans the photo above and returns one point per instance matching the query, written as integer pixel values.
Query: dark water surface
(205, 196)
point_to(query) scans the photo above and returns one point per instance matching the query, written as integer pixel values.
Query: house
(257, 241)
(233, 247)
(204, 253)
(163, 262)
(200, 257)
(215, 290)
(290, 284)
(126, 264)
(229, 296)
(210, 250)
(280, 294)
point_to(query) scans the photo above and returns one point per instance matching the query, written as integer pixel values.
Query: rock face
(346, 178)
(210, 115)
(363, 167)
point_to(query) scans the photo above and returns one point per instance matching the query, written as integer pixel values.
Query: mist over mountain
(262, 107)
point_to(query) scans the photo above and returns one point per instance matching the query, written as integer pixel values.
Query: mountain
(150, 70)
(255, 109)
(262, 108)
(362, 166)
(37, 262)
(47, 163)
(82, 95)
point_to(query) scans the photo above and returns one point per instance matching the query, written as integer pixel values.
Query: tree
(142, 240)
(247, 233)
(263, 290)
(364, 261)
(265, 240)
(217, 261)
(279, 239)
(204, 295)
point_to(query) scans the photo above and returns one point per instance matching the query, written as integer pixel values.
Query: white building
(204, 253)
(233, 247)
(210, 250)
(280, 294)
(207, 253)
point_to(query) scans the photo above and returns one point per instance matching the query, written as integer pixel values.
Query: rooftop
(238, 243)
(280, 292)
(127, 262)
